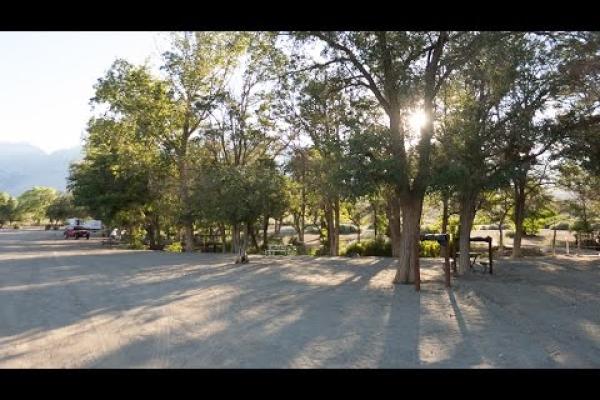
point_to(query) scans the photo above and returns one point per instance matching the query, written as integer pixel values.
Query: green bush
(311, 251)
(581, 226)
(136, 239)
(348, 228)
(383, 248)
(312, 229)
(428, 229)
(378, 247)
(174, 247)
(301, 248)
(321, 251)
(429, 249)
(253, 250)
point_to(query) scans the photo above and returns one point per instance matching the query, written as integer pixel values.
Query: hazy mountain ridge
(23, 166)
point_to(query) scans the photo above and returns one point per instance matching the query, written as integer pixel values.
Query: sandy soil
(73, 304)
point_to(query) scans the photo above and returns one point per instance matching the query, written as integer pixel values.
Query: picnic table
(111, 241)
(473, 257)
(274, 249)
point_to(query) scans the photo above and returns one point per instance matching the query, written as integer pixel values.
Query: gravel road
(75, 304)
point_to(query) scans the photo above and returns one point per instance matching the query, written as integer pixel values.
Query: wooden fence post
(490, 254)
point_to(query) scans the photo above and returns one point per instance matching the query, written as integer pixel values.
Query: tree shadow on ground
(280, 313)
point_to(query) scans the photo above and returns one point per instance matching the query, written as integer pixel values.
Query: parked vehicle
(76, 232)
(90, 224)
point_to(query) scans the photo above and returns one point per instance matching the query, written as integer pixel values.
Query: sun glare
(416, 120)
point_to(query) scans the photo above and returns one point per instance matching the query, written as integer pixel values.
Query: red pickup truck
(77, 232)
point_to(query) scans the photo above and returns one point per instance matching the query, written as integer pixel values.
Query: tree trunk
(188, 233)
(394, 224)
(445, 217)
(358, 238)
(235, 238)
(329, 222)
(302, 214)
(242, 255)
(554, 241)
(265, 232)
(501, 240)
(336, 226)
(223, 236)
(277, 226)
(151, 236)
(374, 207)
(519, 216)
(467, 216)
(408, 263)
(252, 232)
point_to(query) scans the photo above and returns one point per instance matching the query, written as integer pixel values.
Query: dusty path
(75, 304)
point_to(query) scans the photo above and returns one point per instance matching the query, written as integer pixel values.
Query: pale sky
(47, 78)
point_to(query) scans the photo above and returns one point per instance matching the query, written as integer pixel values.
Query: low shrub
(377, 247)
(174, 247)
(253, 250)
(15, 226)
(347, 229)
(383, 248)
(301, 248)
(430, 249)
(311, 251)
(136, 239)
(563, 226)
(312, 229)
(429, 229)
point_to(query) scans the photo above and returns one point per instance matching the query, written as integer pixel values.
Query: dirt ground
(75, 304)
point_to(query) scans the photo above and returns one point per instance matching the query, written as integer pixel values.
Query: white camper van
(90, 224)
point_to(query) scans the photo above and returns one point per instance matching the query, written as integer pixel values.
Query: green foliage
(9, 210)
(188, 147)
(346, 229)
(585, 205)
(62, 208)
(581, 225)
(34, 202)
(236, 194)
(563, 226)
(383, 248)
(539, 210)
(136, 239)
(429, 249)
(174, 247)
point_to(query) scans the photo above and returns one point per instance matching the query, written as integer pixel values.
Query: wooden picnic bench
(473, 257)
(110, 242)
(274, 249)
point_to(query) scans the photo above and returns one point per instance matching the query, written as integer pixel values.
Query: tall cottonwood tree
(243, 130)
(527, 134)
(198, 67)
(401, 70)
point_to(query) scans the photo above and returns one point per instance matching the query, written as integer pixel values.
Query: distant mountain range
(23, 166)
